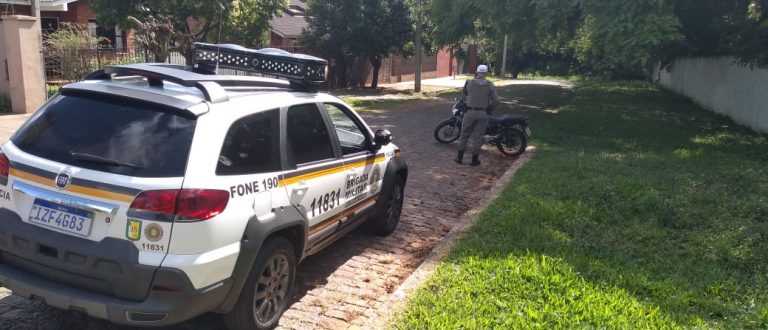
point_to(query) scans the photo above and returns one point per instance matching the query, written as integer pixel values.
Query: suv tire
(387, 214)
(265, 295)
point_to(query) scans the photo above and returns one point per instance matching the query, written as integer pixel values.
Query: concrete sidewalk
(9, 123)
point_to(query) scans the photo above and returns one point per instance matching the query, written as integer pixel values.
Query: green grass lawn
(638, 210)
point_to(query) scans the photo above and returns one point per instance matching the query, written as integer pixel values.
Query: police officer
(480, 97)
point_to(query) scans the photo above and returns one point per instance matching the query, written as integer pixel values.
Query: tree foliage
(746, 32)
(627, 37)
(618, 37)
(239, 21)
(69, 51)
(369, 29)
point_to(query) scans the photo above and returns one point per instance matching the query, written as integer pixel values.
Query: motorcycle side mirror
(381, 138)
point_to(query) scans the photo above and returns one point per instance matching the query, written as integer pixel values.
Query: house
(286, 29)
(55, 12)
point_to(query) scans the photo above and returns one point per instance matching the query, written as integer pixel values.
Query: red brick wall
(472, 59)
(398, 69)
(446, 63)
(77, 12)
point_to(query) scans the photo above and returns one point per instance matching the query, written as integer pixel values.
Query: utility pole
(417, 59)
(35, 9)
(504, 58)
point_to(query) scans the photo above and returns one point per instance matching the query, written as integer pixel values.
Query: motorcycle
(509, 133)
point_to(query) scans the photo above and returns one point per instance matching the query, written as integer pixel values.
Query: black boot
(475, 160)
(460, 157)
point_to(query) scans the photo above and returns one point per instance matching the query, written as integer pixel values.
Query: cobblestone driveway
(343, 285)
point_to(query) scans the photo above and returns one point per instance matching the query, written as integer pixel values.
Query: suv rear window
(138, 139)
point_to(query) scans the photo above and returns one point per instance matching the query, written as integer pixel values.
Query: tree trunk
(376, 63)
(517, 61)
(341, 72)
(161, 54)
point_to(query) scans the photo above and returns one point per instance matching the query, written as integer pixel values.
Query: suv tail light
(5, 168)
(184, 204)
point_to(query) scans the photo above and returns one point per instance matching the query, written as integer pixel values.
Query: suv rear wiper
(99, 159)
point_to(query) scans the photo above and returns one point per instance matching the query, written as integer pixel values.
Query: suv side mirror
(382, 137)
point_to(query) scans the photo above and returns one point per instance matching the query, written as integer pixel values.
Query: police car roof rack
(303, 72)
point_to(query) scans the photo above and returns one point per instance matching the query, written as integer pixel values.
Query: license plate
(62, 217)
(528, 131)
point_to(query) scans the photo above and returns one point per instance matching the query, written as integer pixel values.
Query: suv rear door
(75, 168)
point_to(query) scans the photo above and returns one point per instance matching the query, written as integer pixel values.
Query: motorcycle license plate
(62, 217)
(528, 131)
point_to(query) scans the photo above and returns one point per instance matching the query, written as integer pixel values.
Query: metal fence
(66, 65)
(63, 66)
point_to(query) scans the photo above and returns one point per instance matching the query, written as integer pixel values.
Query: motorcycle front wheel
(447, 132)
(512, 142)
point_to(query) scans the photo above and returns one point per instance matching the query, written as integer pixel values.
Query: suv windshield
(111, 135)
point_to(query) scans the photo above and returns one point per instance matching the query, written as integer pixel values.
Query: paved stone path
(344, 285)
(9, 123)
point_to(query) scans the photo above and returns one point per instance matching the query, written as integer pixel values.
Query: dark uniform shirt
(480, 94)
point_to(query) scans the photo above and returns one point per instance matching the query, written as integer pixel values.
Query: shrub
(69, 52)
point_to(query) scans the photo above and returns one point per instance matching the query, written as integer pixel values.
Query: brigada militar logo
(133, 229)
(375, 176)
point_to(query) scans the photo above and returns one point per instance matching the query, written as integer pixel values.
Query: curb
(396, 302)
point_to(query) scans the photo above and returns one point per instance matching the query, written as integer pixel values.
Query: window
(307, 134)
(146, 140)
(252, 145)
(351, 137)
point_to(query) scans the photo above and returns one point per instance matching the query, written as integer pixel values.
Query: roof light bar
(298, 68)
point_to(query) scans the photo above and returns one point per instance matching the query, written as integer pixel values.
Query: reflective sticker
(133, 229)
(153, 232)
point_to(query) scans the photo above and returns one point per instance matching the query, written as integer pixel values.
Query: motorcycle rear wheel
(512, 142)
(447, 132)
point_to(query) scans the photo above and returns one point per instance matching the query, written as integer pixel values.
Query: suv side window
(308, 137)
(252, 145)
(351, 136)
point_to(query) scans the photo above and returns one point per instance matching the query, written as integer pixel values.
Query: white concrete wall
(720, 85)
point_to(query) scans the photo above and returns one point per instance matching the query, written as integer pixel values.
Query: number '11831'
(325, 203)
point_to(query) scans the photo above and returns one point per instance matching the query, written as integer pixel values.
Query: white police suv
(151, 193)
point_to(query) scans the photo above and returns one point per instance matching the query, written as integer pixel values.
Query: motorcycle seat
(509, 118)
